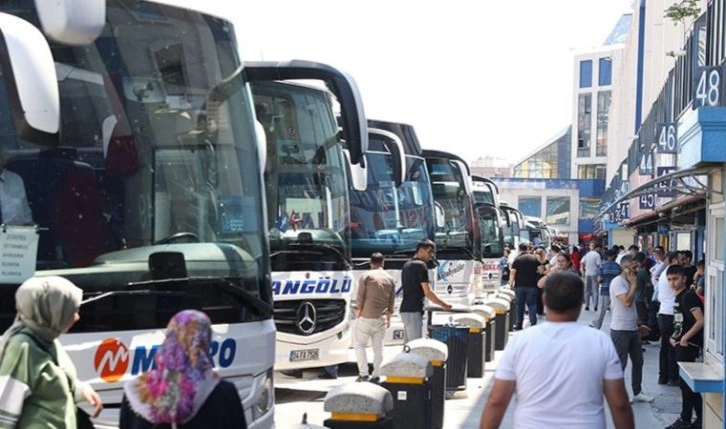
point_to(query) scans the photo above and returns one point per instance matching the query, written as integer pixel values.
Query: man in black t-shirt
(523, 277)
(687, 339)
(416, 287)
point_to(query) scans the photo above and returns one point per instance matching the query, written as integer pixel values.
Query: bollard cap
(433, 350)
(506, 291)
(498, 304)
(485, 311)
(407, 365)
(505, 296)
(470, 320)
(359, 398)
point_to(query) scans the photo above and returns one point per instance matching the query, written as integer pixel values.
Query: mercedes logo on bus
(306, 318)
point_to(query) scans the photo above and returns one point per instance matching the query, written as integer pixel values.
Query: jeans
(591, 290)
(412, 325)
(667, 365)
(691, 400)
(628, 343)
(526, 296)
(604, 303)
(375, 329)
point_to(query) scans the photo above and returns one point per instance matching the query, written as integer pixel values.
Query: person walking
(523, 278)
(607, 271)
(687, 339)
(624, 328)
(589, 265)
(559, 370)
(667, 364)
(504, 267)
(645, 288)
(659, 265)
(375, 301)
(183, 391)
(38, 383)
(416, 286)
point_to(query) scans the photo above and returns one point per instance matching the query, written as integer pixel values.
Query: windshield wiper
(245, 298)
(312, 248)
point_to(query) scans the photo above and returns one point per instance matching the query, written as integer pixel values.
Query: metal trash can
(408, 379)
(457, 340)
(436, 352)
(501, 308)
(359, 406)
(490, 328)
(476, 357)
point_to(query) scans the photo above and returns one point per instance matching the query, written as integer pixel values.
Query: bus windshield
(491, 232)
(387, 219)
(449, 191)
(305, 178)
(157, 152)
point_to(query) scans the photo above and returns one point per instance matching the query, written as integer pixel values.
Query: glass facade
(603, 106)
(589, 208)
(586, 74)
(584, 120)
(591, 171)
(558, 211)
(605, 71)
(551, 162)
(530, 206)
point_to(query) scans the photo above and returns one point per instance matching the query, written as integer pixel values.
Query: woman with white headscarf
(38, 384)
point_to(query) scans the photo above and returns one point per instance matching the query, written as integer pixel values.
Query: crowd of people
(652, 296)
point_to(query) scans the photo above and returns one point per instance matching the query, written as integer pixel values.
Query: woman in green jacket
(38, 384)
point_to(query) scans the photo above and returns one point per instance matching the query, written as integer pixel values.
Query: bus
(457, 235)
(539, 233)
(132, 126)
(306, 186)
(395, 211)
(486, 196)
(514, 229)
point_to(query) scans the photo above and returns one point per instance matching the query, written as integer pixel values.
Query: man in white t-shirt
(589, 265)
(667, 364)
(560, 370)
(624, 328)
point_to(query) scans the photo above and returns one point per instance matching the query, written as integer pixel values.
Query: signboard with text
(18, 253)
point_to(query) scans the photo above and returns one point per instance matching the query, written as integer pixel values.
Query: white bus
(395, 211)
(306, 185)
(137, 143)
(486, 197)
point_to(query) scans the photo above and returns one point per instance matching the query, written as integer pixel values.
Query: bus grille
(293, 317)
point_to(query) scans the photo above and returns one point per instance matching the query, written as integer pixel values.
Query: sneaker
(328, 376)
(679, 424)
(663, 381)
(674, 382)
(642, 397)
(375, 380)
(595, 308)
(587, 308)
(361, 378)
(696, 424)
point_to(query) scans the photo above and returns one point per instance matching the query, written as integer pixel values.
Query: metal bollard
(490, 328)
(477, 339)
(501, 308)
(408, 380)
(359, 406)
(436, 352)
(507, 292)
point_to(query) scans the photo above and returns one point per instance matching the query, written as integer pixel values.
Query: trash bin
(457, 340)
(359, 406)
(408, 379)
(501, 308)
(477, 342)
(490, 328)
(436, 352)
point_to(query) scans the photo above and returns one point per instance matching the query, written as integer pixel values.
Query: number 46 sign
(667, 138)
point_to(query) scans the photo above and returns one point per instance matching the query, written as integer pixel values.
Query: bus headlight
(265, 395)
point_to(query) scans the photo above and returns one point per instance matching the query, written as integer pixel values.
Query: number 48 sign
(707, 87)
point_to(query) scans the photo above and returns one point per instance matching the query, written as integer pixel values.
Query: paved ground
(295, 397)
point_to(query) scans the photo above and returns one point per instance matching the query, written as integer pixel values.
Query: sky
(475, 78)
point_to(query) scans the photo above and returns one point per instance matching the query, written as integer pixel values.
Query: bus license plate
(398, 334)
(298, 355)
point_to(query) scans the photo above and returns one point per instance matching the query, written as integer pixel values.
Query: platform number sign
(646, 202)
(622, 212)
(667, 138)
(646, 164)
(707, 87)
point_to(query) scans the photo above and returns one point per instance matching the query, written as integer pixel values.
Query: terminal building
(666, 174)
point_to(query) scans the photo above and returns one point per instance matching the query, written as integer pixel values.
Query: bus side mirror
(439, 215)
(261, 144)
(72, 22)
(28, 73)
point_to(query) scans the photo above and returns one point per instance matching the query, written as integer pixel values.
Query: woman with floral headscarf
(183, 391)
(38, 385)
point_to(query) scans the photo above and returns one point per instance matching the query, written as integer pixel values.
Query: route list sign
(18, 253)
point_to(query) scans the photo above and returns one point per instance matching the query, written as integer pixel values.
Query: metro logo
(111, 360)
(112, 357)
